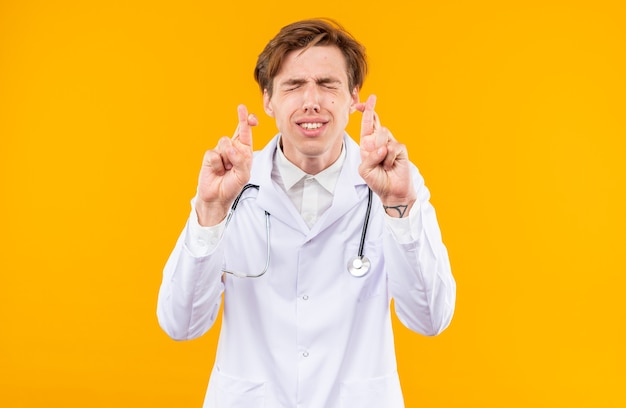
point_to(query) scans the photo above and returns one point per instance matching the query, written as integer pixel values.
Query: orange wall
(513, 110)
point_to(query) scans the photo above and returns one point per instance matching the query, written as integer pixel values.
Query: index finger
(244, 127)
(368, 122)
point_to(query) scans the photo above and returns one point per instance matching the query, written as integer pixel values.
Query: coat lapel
(274, 200)
(271, 197)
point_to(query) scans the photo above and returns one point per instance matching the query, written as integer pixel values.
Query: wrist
(210, 213)
(398, 208)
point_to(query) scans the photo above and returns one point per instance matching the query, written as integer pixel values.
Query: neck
(312, 163)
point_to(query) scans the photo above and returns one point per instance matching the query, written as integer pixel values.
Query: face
(311, 103)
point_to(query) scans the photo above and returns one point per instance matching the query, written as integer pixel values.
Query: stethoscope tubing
(366, 221)
(360, 260)
(267, 235)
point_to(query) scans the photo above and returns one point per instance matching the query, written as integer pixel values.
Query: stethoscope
(358, 266)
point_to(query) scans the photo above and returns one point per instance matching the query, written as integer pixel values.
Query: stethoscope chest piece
(359, 266)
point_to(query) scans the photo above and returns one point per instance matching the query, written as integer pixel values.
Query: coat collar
(274, 200)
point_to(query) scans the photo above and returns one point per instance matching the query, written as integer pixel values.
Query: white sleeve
(405, 230)
(191, 290)
(420, 278)
(199, 240)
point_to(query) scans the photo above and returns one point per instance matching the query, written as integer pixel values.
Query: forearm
(422, 285)
(190, 293)
(420, 278)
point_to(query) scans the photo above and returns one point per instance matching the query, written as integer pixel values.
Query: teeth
(310, 126)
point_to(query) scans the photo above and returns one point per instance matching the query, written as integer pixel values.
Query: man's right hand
(225, 171)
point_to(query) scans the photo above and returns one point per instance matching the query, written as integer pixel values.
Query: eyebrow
(318, 81)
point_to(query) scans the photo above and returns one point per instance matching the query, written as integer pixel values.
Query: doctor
(314, 328)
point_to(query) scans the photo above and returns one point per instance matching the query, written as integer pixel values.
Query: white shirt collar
(292, 174)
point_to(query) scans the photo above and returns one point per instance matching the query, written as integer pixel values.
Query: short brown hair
(308, 33)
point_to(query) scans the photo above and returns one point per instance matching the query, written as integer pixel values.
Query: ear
(354, 99)
(267, 106)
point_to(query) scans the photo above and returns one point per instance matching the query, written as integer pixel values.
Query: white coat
(307, 333)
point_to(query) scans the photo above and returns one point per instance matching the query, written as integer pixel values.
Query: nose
(311, 99)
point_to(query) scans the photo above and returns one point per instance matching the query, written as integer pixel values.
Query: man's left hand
(385, 165)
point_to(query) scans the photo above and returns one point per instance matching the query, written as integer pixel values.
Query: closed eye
(292, 84)
(329, 83)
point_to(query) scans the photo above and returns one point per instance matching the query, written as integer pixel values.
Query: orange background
(514, 111)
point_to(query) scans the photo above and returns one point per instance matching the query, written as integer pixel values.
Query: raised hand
(385, 163)
(225, 170)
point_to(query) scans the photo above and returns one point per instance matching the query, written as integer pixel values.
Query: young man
(309, 260)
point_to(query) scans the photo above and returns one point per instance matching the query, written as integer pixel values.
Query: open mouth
(311, 125)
